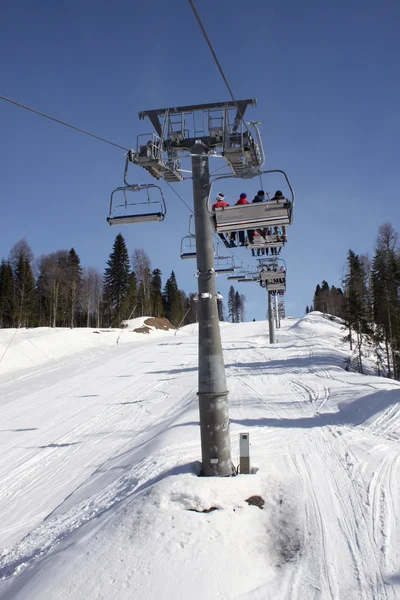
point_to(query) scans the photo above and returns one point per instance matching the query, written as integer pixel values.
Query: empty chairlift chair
(188, 242)
(142, 210)
(188, 247)
(224, 264)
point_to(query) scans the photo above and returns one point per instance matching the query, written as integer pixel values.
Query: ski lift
(128, 212)
(188, 243)
(276, 287)
(272, 278)
(248, 279)
(224, 264)
(268, 241)
(272, 275)
(258, 215)
(236, 277)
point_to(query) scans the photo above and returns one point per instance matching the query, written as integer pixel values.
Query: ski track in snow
(90, 455)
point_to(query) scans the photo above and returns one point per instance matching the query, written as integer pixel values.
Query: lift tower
(201, 130)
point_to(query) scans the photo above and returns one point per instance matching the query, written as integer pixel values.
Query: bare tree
(387, 238)
(142, 268)
(91, 295)
(51, 286)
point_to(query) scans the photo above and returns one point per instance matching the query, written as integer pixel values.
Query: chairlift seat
(248, 280)
(131, 219)
(267, 275)
(225, 270)
(188, 255)
(261, 243)
(259, 215)
(276, 287)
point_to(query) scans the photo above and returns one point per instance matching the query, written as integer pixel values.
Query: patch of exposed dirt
(256, 501)
(158, 323)
(142, 329)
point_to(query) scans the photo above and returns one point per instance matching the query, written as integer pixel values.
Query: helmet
(243, 195)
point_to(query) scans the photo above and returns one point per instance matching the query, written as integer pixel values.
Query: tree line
(369, 303)
(56, 291)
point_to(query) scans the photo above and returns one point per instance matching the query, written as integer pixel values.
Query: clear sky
(326, 77)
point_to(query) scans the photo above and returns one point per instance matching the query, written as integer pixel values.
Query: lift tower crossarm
(240, 105)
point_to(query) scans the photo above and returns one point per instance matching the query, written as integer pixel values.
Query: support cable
(209, 44)
(63, 123)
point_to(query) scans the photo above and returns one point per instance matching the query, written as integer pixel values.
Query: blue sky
(326, 79)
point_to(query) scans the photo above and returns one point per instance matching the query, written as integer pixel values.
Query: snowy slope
(99, 450)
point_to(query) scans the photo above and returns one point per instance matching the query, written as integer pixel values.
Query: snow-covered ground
(99, 442)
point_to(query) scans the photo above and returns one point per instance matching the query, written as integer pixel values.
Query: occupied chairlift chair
(268, 277)
(269, 241)
(259, 215)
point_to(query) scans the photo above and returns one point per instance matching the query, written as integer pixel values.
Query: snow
(100, 497)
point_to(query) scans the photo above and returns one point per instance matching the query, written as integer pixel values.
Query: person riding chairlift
(220, 203)
(280, 199)
(242, 200)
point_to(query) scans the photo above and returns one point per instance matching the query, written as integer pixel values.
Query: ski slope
(100, 444)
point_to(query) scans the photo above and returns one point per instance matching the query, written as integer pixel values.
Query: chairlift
(267, 241)
(141, 211)
(248, 279)
(272, 275)
(188, 242)
(276, 287)
(224, 264)
(259, 215)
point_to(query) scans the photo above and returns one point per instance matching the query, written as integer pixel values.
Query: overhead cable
(62, 123)
(196, 14)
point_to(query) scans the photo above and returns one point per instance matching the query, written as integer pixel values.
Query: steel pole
(213, 393)
(277, 320)
(271, 320)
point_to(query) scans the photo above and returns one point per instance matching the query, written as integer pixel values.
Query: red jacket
(220, 204)
(242, 201)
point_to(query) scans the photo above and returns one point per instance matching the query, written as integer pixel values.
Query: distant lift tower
(201, 130)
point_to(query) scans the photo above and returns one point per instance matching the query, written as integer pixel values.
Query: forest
(369, 303)
(56, 291)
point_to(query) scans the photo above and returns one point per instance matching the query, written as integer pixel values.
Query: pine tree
(307, 310)
(173, 309)
(156, 300)
(74, 282)
(129, 305)
(356, 308)
(317, 300)
(24, 285)
(6, 294)
(232, 304)
(385, 293)
(116, 280)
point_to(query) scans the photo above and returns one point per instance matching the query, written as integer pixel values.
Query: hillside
(99, 454)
